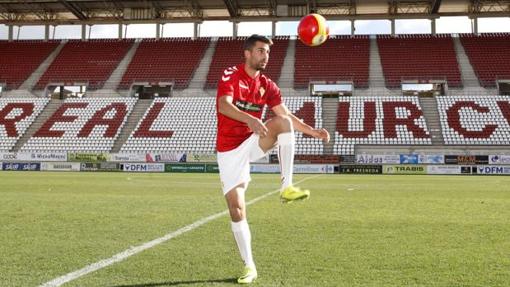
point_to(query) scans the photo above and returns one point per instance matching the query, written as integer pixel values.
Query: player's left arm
(301, 126)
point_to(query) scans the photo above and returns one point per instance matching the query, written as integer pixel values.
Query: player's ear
(247, 54)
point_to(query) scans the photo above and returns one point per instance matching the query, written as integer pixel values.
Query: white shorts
(234, 165)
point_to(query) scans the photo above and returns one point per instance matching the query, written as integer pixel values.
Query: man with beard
(243, 138)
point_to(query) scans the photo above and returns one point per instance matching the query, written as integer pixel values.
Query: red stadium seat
(229, 52)
(12, 127)
(165, 60)
(418, 57)
(359, 125)
(90, 61)
(475, 120)
(341, 58)
(88, 124)
(489, 54)
(19, 59)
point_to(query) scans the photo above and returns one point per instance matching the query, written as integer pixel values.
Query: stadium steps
(287, 75)
(431, 114)
(109, 88)
(136, 115)
(19, 93)
(200, 75)
(37, 74)
(116, 76)
(468, 75)
(195, 88)
(102, 93)
(376, 80)
(329, 114)
(375, 74)
(46, 113)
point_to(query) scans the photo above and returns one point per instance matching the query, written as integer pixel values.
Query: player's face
(258, 57)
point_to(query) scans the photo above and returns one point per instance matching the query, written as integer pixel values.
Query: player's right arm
(227, 108)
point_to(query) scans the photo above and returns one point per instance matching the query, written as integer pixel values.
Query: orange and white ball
(313, 30)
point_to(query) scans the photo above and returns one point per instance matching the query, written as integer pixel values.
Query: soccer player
(243, 138)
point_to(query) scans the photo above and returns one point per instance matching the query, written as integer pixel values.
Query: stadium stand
(379, 121)
(176, 125)
(170, 125)
(229, 52)
(89, 124)
(341, 58)
(90, 61)
(475, 120)
(489, 54)
(309, 109)
(418, 57)
(165, 60)
(16, 115)
(19, 59)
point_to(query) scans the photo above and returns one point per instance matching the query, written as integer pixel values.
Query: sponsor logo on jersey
(247, 106)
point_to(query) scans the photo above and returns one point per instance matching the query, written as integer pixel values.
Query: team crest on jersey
(262, 91)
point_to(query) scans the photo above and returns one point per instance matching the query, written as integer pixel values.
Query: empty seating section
(176, 125)
(341, 58)
(90, 61)
(19, 59)
(309, 109)
(379, 121)
(91, 124)
(188, 124)
(165, 60)
(489, 54)
(418, 57)
(229, 52)
(16, 115)
(475, 120)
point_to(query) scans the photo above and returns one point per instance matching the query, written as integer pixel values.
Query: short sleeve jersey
(249, 95)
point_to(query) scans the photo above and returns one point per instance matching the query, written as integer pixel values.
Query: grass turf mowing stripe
(137, 249)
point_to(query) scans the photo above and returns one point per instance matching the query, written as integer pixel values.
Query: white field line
(137, 249)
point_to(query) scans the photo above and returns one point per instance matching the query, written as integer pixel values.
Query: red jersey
(249, 95)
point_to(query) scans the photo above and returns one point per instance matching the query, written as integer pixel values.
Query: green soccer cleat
(249, 275)
(292, 193)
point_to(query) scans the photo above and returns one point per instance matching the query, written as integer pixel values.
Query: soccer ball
(313, 30)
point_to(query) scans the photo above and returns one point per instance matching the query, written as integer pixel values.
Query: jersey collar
(245, 75)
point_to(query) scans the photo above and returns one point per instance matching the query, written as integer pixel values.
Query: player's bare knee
(282, 124)
(237, 212)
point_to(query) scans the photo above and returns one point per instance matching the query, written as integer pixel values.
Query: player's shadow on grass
(177, 283)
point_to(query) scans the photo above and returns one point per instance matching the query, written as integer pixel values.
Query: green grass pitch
(354, 231)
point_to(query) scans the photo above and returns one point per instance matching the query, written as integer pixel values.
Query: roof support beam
(73, 9)
(484, 6)
(11, 33)
(435, 6)
(232, 7)
(397, 7)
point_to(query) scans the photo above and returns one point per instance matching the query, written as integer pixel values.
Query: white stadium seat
(74, 135)
(25, 118)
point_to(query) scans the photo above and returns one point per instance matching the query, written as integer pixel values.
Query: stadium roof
(42, 12)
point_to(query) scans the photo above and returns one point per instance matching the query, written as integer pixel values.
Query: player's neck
(251, 72)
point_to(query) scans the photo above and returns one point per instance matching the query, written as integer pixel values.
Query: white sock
(286, 157)
(242, 235)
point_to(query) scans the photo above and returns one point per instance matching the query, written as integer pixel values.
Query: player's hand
(321, 134)
(258, 127)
